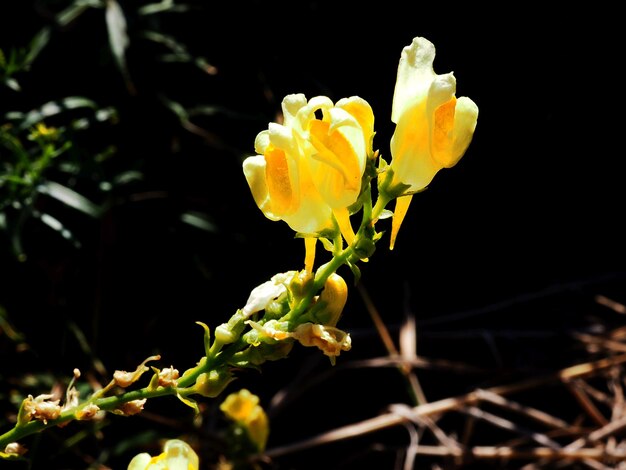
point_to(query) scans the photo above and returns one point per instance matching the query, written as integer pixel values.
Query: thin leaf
(56, 225)
(49, 109)
(37, 44)
(12, 84)
(190, 402)
(198, 220)
(75, 10)
(70, 198)
(118, 38)
(8, 329)
(176, 108)
(164, 5)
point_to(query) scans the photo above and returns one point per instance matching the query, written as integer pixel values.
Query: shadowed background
(532, 208)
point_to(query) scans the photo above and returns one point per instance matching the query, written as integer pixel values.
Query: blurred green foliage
(108, 132)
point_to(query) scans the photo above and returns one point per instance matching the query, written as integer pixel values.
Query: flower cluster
(316, 170)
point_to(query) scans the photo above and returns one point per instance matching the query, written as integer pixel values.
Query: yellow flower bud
(334, 297)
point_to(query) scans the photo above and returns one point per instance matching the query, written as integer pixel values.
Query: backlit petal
(415, 72)
(254, 171)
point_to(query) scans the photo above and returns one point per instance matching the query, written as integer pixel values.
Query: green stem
(105, 403)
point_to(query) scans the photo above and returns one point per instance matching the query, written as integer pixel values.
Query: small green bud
(211, 384)
(300, 284)
(364, 248)
(224, 335)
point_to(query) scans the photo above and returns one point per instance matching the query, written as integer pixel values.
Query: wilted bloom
(40, 407)
(130, 407)
(433, 127)
(168, 377)
(124, 379)
(88, 412)
(14, 449)
(177, 455)
(243, 408)
(309, 169)
(330, 340)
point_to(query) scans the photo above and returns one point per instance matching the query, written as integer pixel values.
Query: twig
(533, 413)
(511, 426)
(388, 420)
(590, 408)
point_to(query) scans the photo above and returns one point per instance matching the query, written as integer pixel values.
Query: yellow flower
(243, 408)
(308, 170)
(177, 455)
(433, 127)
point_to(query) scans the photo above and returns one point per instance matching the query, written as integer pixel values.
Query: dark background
(530, 217)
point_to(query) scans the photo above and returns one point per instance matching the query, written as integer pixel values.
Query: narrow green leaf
(198, 220)
(56, 225)
(75, 10)
(190, 403)
(164, 5)
(70, 198)
(207, 337)
(37, 44)
(49, 109)
(118, 37)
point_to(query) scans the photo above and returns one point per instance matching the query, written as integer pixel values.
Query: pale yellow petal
(180, 456)
(412, 162)
(363, 113)
(261, 142)
(140, 462)
(254, 171)
(465, 119)
(415, 72)
(312, 216)
(290, 106)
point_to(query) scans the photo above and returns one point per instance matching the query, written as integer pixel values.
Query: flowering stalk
(314, 172)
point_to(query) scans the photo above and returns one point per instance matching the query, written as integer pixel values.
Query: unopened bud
(211, 384)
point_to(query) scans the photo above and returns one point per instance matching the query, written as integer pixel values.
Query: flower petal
(415, 72)
(465, 119)
(291, 105)
(254, 171)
